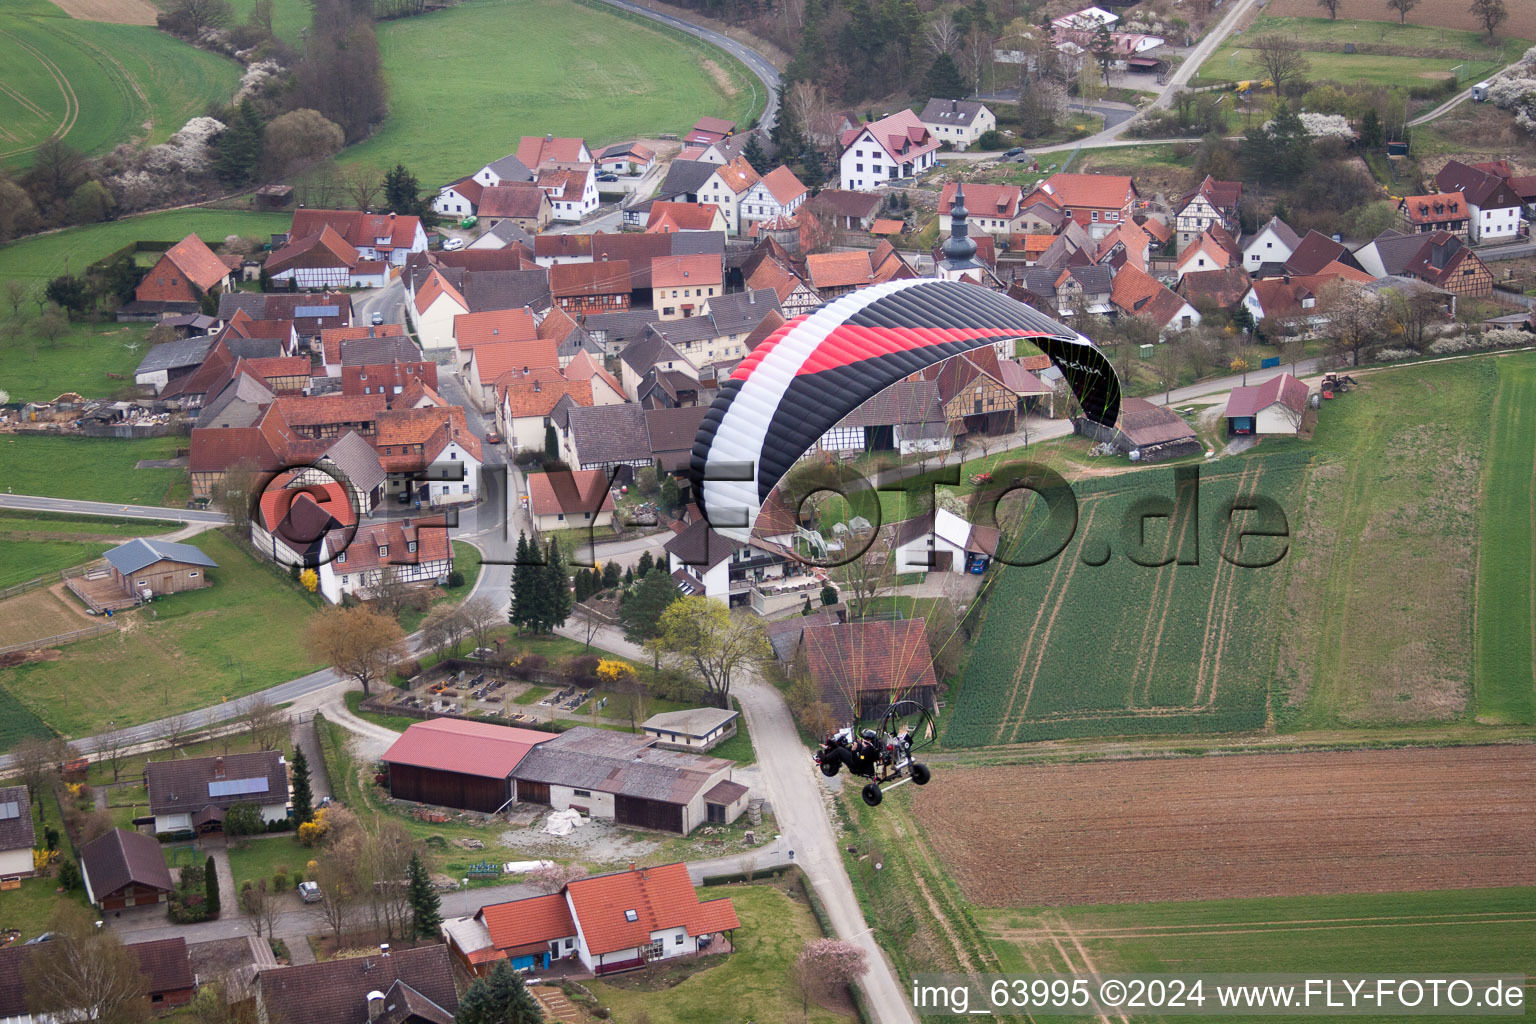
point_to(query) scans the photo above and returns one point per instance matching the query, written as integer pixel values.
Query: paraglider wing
(816, 369)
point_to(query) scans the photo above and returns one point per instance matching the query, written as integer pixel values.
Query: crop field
(466, 82)
(1091, 643)
(1369, 15)
(186, 651)
(37, 260)
(97, 84)
(81, 360)
(92, 468)
(1423, 932)
(1506, 575)
(1235, 826)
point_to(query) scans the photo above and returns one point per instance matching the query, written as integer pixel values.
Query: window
(1095, 215)
(342, 558)
(346, 580)
(193, 574)
(581, 792)
(453, 455)
(677, 940)
(560, 516)
(567, 943)
(383, 550)
(630, 915)
(410, 545)
(466, 488)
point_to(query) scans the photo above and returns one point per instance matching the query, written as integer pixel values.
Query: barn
(146, 567)
(1146, 432)
(124, 869)
(454, 763)
(1275, 407)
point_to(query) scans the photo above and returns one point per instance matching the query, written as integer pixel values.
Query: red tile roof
(738, 175)
(983, 200)
(198, 262)
(661, 897)
(323, 249)
(521, 200)
(537, 397)
(902, 135)
(838, 269)
(496, 358)
(1285, 389)
(430, 428)
(566, 493)
(280, 366)
(434, 286)
(361, 552)
(670, 216)
(1436, 208)
(277, 498)
(332, 337)
(534, 150)
(567, 280)
(524, 922)
(471, 329)
(846, 659)
(1089, 191)
(782, 184)
(359, 229)
(678, 271)
(466, 748)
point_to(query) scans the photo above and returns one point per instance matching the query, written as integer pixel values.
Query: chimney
(218, 767)
(375, 1005)
(1439, 253)
(631, 865)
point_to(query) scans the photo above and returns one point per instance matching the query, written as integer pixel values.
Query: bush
(280, 825)
(992, 140)
(528, 664)
(69, 876)
(455, 578)
(280, 880)
(582, 665)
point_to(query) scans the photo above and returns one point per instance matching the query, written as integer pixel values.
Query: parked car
(453, 245)
(609, 176)
(310, 892)
(378, 318)
(493, 438)
(1015, 151)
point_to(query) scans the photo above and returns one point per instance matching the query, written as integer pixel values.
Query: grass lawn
(466, 82)
(184, 652)
(739, 747)
(399, 723)
(466, 559)
(30, 908)
(98, 84)
(93, 468)
(34, 370)
(533, 695)
(289, 18)
(26, 560)
(261, 856)
(754, 982)
(37, 543)
(43, 257)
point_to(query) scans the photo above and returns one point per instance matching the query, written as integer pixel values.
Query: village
(383, 646)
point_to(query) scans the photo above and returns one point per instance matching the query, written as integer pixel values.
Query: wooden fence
(62, 638)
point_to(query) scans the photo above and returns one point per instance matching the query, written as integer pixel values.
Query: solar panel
(317, 311)
(8, 810)
(237, 787)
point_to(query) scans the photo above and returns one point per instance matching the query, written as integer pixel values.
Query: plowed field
(1240, 826)
(1438, 14)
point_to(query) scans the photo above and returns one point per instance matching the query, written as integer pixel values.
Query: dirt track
(120, 12)
(1216, 827)
(1436, 14)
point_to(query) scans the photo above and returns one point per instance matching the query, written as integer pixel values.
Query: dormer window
(383, 550)
(410, 546)
(341, 559)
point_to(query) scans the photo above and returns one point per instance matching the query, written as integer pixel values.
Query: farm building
(1146, 432)
(124, 869)
(1274, 407)
(167, 970)
(16, 833)
(861, 668)
(194, 793)
(460, 764)
(611, 923)
(407, 986)
(171, 360)
(146, 567)
(941, 541)
(692, 729)
(181, 277)
(613, 775)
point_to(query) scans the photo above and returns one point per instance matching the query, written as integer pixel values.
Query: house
(907, 417)
(957, 122)
(1098, 202)
(993, 209)
(671, 433)
(1146, 432)
(360, 346)
(941, 541)
(148, 567)
(192, 794)
(411, 551)
(389, 379)
(459, 198)
(1445, 211)
(504, 235)
(707, 130)
(535, 151)
(572, 190)
(1214, 289)
(624, 778)
(491, 327)
(1127, 245)
(700, 729)
(430, 455)
(383, 237)
(450, 762)
(606, 437)
(524, 204)
(1213, 203)
(735, 316)
(861, 668)
(405, 986)
(626, 158)
(490, 362)
(311, 314)
(896, 146)
(1315, 253)
(182, 275)
(610, 923)
(124, 869)
(682, 285)
(1275, 407)
(564, 499)
(1448, 263)
(606, 389)
(1137, 293)
(776, 194)
(682, 183)
(508, 168)
(848, 211)
(727, 187)
(1494, 207)
(433, 309)
(582, 288)
(1066, 290)
(764, 272)
(167, 971)
(1388, 254)
(171, 360)
(1286, 300)
(666, 217)
(16, 833)
(295, 513)
(526, 402)
(1212, 249)
(1275, 242)
(325, 260)
(706, 563)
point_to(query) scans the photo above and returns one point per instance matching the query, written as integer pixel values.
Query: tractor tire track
(71, 101)
(1226, 611)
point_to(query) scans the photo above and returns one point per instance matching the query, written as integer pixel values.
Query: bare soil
(1439, 14)
(1238, 826)
(40, 613)
(119, 12)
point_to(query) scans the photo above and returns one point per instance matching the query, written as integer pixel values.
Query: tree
(357, 642)
(1370, 129)
(611, 575)
(1331, 6)
(1492, 13)
(670, 497)
(553, 877)
(828, 594)
(551, 444)
(336, 872)
(426, 908)
(384, 870)
(112, 747)
(712, 644)
(303, 795)
(645, 564)
(14, 293)
(1102, 47)
(235, 493)
(526, 595)
(84, 974)
(499, 998)
(557, 589)
(36, 766)
(260, 903)
(91, 202)
(943, 79)
(641, 613)
(1282, 59)
(264, 722)
(825, 966)
(172, 730)
(755, 156)
(297, 140)
(1354, 317)
(191, 17)
(240, 147)
(243, 819)
(1402, 7)
(57, 170)
(18, 214)
(443, 629)
(211, 887)
(390, 591)
(68, 293)
(480, 616)
(402, 193)
(362, 185)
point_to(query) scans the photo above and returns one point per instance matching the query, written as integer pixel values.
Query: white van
(1480, 91)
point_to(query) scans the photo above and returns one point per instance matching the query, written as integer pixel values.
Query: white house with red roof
(412, 550)
(898, 145)
(614, 922)
(576, 498)
(777, 194)
(1275, 407)
(727, 188)
(459, 198)
(992, 209)
(433, 310)
(571, 188)
(1098, 202)
(384, 237)
(536, 150)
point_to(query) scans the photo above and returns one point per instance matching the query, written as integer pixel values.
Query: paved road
(107, 508)
(758, 64)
